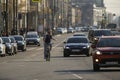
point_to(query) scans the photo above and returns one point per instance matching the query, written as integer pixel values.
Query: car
(95, 34)
(79, 34)
(21, 43)
(106, 52)
(9, 47)
(70, 30)
(14, 43)
(60, 30)
(2, 48)
(33, 39)
(32, 32)
(76, 45)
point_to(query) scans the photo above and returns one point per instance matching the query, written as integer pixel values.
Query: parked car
(9, 47)
(33, 39)
(14, 43)
(60, 30)
(2, 48)
(32, 32)
(70, 30)
(76, 45)
(106, 53)
(21, 43)
(95, 34)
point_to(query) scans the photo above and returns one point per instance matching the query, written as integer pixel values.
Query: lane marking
(59, 43)
(75, 75)
(79, 77)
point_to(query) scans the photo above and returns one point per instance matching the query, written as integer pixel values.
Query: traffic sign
(36, 0)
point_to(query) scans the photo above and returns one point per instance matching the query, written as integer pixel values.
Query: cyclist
(47, 42)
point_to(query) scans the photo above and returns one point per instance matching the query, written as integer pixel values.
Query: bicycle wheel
(48, 55)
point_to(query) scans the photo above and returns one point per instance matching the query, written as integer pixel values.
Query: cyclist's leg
(45, 50)
(48, 52)
(50, 46)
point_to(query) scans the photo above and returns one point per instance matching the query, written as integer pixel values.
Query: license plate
(30, 42)
(75, 50)
(111, 62)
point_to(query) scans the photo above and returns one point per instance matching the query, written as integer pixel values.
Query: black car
(76, 45)
(32, 39)
(21, 43)
(9, 47)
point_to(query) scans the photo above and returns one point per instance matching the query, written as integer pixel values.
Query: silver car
(2, 48)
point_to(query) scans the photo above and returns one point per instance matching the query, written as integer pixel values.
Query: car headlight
(95, 38)
(86, 46)
(23, 43)
(98, 53)
(9, 46)
(38, 39)
(66, 47)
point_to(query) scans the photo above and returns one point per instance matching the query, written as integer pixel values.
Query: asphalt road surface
(31, 65)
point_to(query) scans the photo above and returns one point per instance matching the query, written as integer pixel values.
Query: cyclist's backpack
(47, 38)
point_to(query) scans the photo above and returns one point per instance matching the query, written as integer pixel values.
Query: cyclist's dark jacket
(48, 38)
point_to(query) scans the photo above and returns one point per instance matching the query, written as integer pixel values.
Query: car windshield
(77, 40)
(31, 36)
(18, 38)
(79, 35)
(12, 40)
(104, 33)
(6, 40)
(109, 42)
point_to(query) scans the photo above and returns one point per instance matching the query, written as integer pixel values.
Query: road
(30, 65)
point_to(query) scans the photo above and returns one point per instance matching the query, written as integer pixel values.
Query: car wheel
(66, 54)
(38, 44)
(3, 55)
(96, 67)
(87, 54)
(15, 51)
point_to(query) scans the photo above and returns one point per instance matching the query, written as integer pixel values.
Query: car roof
(4, 37)
(118, 36)
(99, 29)
(77, 37)
(17, 35)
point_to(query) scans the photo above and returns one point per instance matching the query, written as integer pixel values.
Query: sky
(112, 6)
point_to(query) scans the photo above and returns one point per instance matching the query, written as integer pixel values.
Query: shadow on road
(87, 71)
(72, 56)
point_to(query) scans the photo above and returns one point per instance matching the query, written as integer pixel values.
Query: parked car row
(10, 45)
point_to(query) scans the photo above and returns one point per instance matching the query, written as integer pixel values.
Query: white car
(2, 48)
